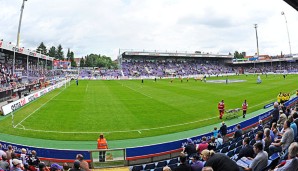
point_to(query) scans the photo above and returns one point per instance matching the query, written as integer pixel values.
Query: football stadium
(155, 111)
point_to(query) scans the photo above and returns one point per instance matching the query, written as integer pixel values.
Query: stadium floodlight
(282, 13)
(256, 26)
(18, 38)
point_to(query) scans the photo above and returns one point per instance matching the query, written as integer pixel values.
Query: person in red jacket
(244, 108)
(221, 108)
(102, 144)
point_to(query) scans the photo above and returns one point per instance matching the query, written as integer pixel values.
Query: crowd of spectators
(10, 161)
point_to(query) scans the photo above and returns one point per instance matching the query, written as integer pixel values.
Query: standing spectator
(3, 163)
(219, 141)
(218, 161)
(183, 164)
(223, 130)
(1, 151)
(295, 117)
(238, 132)
(83, 164)
(221, 108)
(261, 159)
(274, 114)
(190, 148)
(33, 160)
(203, 145)
(196, 165)
(215, 132)
(9, 151)
(102, 145)
(212, 144)
(246, 150)
(23, 156)
(283, 143)
(244, 108)
(292, 162)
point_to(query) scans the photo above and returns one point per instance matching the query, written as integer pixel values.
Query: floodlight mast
(282, 13)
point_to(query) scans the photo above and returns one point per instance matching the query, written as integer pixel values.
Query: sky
(108, 26)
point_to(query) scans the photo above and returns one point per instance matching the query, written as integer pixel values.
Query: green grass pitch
(126, 109)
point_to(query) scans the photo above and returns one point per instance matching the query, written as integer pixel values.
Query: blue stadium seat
(237, 150)
(232, 147)
(173, 161)
(239, 143)
(149, 166)
(158, 169)
(173, 166)
(230, 153)
(137, 168)
(226, 144)
(224, 150)
(252, 142)
(161, 164)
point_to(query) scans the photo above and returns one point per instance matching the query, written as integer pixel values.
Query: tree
(42, 49)
(60, 54)
(238, 55)
(52, 52)
(82, 62)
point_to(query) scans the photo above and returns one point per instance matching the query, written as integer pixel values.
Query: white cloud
(104, 26)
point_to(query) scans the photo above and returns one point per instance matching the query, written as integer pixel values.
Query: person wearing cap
(218, 161)
(76, 166)
(102, 144)
(190, 148)
(196, 165)
(16, 165)
(83, 164)
(56, 167)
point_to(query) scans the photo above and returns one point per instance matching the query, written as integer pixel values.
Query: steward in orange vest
(102, 144)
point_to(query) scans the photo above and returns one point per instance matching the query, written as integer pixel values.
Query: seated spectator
(202, 146)
(283, 143)
(42, 167)
(76, 166)
(282, 119)
(212, 144)
(259, 138)
(23, 156)
(183, 164)
(260, 125)
(16, 165)
(83, 164)
(207, 169)
(293, 126)
(267, 139)
(261, 159)
(274, 131)
(218, 161)
(246, 150)
(56, 167)
(219, 141)
(166, 168)
(196, 165)
(238, 132)
(9, 151)
(65, 167)
(292, 162)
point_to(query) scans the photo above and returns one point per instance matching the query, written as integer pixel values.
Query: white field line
(137, 91)
(38, 108)
(86, 88)
(137, 130)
